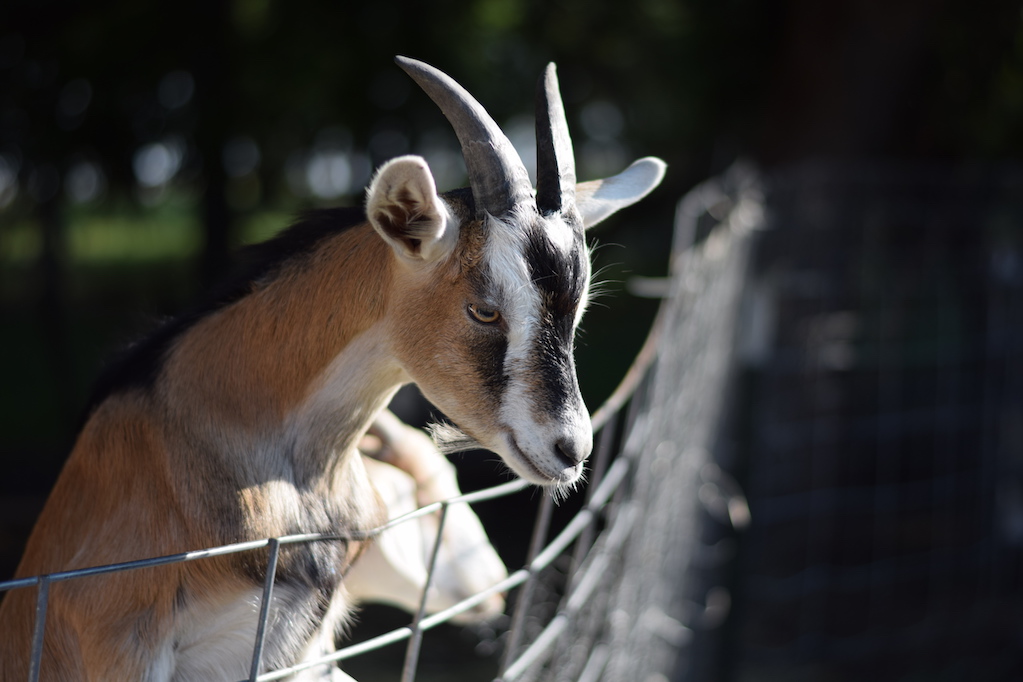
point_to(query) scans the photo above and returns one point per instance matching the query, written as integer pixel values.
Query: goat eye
(484, 315)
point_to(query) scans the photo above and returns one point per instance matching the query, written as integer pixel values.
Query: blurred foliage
(694, 80)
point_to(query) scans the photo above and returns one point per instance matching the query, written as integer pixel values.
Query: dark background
(141, 142)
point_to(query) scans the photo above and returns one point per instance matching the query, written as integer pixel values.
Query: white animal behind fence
(409, 472)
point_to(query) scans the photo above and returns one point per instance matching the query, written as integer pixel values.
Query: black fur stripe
(560, 277)
(561, 280)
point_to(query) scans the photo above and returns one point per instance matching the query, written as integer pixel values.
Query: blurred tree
(698, 81)
(903, 78)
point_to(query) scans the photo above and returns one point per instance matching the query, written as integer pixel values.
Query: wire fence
(842, 348)
(607, 581)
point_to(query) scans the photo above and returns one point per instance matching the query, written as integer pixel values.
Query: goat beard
(450, 439)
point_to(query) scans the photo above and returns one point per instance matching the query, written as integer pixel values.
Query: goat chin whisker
(561, 492)
(450, 439)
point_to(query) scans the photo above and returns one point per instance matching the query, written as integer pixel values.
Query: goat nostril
(569, 451)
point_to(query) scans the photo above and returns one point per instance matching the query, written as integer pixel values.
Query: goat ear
(403, 206)
(598, 199)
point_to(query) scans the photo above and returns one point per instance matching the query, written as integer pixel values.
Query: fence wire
(626, 588)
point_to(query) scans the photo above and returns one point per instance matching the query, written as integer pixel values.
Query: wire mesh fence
(609, 582)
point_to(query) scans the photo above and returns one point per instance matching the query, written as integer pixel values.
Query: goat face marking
(541, 278)
(489, 341)
(499, 280)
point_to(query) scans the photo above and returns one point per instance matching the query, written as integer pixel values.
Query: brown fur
(202, 460)
(434, 335)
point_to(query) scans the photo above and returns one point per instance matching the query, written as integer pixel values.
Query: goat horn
(497, 175)
(555, 161)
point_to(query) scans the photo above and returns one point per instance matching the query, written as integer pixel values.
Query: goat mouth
(539, 476)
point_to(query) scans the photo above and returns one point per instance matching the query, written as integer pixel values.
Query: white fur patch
(529, 446)
(352, 389)
(217, 641)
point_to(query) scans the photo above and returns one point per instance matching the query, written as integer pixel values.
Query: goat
(241, 419)
(408, 472)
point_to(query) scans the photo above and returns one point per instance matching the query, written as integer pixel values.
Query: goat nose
(571, 450)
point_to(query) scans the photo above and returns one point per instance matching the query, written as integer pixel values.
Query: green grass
(110, 235)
